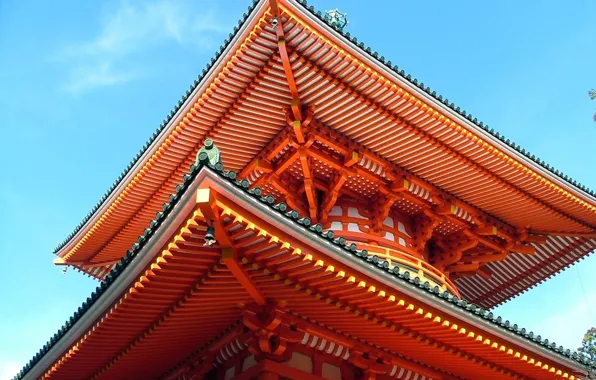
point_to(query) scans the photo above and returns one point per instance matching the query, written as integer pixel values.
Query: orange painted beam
(289, 196)
(462, 267)
(278, 169)
(206, 199)
(309, 187)
(296, 105)
(485, 273)
(484, 258)
(410, 125)
(332, 193)
(588, 235)
(229, 258)
(523, 248)
(351, 159)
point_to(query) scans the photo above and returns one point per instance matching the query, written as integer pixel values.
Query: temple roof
(445, 148)
(432, 294)
(365, 49)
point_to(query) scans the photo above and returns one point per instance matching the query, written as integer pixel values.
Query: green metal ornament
(336, 19)
(209, 154)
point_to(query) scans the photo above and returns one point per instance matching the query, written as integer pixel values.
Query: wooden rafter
(528, 272)
(394, 184)
(289, 196)
(381, 208)
(423, 227)
(452, 249)
(381, 109)
(402, 179)
(182, 166)
(309, 188)
(587, 235)
(278, 168)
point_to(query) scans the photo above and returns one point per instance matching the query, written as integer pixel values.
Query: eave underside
(161, 320)
(245, 106)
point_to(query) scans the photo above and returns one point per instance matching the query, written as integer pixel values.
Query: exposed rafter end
(351, 159)
(60, 261)
(206, 203)
(400, 184)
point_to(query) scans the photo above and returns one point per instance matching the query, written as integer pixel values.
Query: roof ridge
(316, 229)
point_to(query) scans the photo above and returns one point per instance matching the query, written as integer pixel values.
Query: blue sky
(84, 84)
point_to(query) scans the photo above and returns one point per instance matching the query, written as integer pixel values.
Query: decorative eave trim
(119, 279)
(138, 257)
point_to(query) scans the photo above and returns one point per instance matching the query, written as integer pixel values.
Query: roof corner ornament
(336, 19)
(208, 154)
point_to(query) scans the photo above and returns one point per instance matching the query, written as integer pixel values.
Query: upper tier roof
(240, 100)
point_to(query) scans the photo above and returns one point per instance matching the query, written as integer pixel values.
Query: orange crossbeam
(295, 106)
(229, 258)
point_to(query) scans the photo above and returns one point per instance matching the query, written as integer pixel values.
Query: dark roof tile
(315, 229)
(360, 45)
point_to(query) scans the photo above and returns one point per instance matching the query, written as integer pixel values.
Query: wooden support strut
(332, 193)
(441, 209)
(266, 322)
(288, 195)
(295, 105)
(354, 153)
(309, 187)
(424, 225)
(206, 202)
(453, 250)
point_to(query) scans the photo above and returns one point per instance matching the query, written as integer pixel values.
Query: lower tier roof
(169, 284)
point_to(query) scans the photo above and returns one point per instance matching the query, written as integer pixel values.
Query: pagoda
(310, 211)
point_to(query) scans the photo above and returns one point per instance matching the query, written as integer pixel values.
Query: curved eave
(426, 93)
(166, 127)
(368, 58)
(165, 225)
(102, 246)
(191, 96)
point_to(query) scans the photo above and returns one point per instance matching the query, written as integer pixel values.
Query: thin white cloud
(568, 326)
(130, 28)
(8, 369)
(101, 75)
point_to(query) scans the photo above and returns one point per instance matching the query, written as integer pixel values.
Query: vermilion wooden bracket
(229, 257)
(206, 202)
(295, 105)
